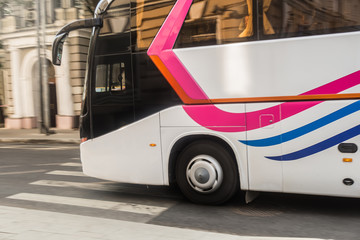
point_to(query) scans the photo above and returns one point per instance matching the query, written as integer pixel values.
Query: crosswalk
(91, 203)
(58, 191)
(17, 224)
(83, 183)
(33, 222)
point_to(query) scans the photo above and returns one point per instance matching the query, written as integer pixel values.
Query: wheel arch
(184, 141)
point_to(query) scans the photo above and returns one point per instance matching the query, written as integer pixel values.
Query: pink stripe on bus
(183, 77)
(337, 86)
(209, 115)
(162, 47)
(175, 21)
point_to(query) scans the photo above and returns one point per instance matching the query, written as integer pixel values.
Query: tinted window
(114, 36)
(117, 18)
(152, 93)
(287, 18)
(112, 92)
(111, 77)
(112, 96)
(211, 22)
(126, 86)
(147, 16)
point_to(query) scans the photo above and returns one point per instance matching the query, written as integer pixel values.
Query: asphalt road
(49, 178)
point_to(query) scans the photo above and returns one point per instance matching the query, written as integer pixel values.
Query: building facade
(19, 72)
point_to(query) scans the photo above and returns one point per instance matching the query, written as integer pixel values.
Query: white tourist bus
(219, 96)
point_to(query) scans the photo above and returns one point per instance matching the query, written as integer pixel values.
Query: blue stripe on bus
(321, 146)
(332, 117)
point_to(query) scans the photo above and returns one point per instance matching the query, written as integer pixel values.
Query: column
(65, 118)
(15, 120)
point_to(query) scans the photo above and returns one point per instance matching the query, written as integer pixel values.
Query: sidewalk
(34, 136)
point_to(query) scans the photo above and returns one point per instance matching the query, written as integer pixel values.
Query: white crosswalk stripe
(10, 166)
(71, 164)
(68, 164)
(47, 164)
(67, 173)
(23, 172)
(39, 148)
(98, 186)
(91, 203)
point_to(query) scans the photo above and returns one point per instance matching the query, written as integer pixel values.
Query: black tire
(224, 190)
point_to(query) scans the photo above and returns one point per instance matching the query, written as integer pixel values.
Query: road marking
(11, 147)
(23, 172)
(91, 203)
(26, 147)
(10, 166)
(67, 173)
(71, 164)
(105, 186)
(98, 186)
(68, 164)
(53, 148)
(47, 164)
(24, 223)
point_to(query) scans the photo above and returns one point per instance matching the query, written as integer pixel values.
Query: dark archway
(52, 94)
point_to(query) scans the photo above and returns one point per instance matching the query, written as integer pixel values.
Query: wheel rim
(204, 174)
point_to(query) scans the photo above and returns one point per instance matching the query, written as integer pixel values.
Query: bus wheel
(206, 173)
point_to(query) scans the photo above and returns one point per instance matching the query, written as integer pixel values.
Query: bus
(222, 96)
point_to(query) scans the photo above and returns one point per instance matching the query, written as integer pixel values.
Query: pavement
(30, 224)
(19, 224)
(58, 136)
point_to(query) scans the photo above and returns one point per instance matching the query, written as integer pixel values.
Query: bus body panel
(312, 163)
(314, 134)
(176, 125)
(272, 68)
(319, 173)
(302, 151)
(125, 155)
(263, 173)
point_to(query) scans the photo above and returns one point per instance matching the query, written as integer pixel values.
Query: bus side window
(147, 16)
(282, 18)
(212, 22)
(111, 78)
